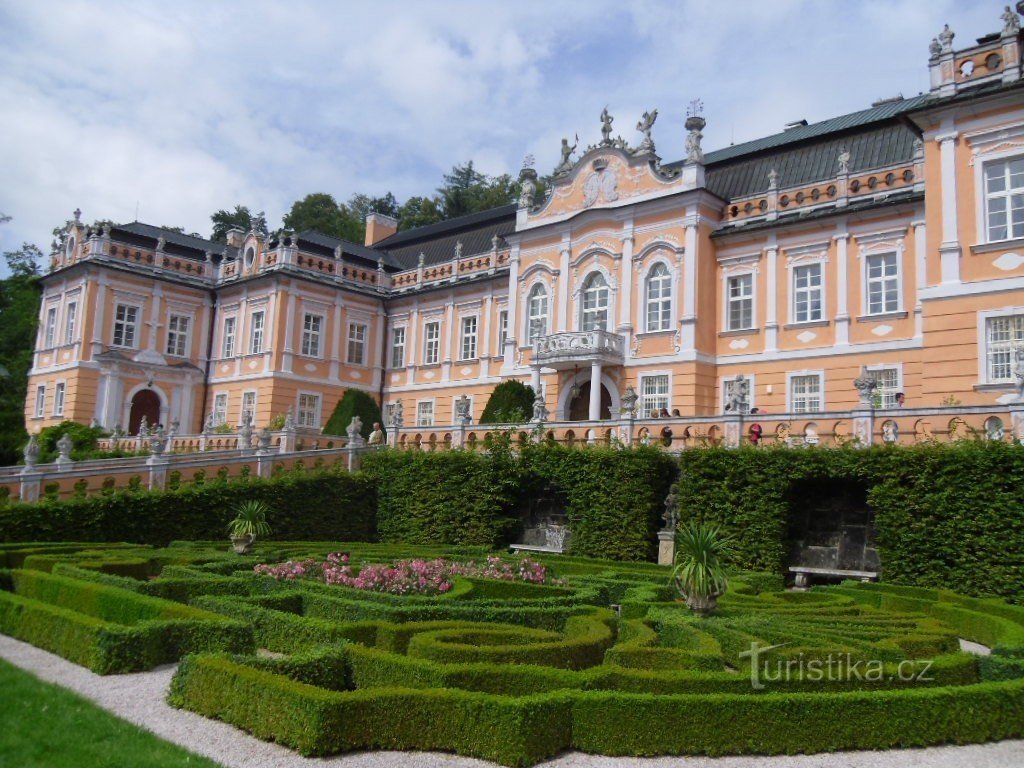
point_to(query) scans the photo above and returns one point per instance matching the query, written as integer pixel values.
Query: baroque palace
(888, 241)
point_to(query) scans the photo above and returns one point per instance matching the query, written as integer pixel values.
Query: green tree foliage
(19, 318)
(83, 440)
(354, 402)
(511, 402)
(419, 212)
(241, 217)
(361, 205)
(320, 211)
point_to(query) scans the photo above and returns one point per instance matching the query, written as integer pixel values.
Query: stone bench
(535, 548)
(804, 574)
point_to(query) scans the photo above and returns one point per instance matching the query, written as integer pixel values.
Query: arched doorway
(579, 406)
(146, 403)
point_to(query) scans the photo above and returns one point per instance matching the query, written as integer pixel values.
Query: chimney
(235, 236)
(379, 226)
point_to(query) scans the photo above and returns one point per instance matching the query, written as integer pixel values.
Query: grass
(45, 726)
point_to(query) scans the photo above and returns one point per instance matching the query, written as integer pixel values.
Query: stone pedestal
(666, 547)
(733, 429)
(157, 472)
(31, 484)
(1017, 421)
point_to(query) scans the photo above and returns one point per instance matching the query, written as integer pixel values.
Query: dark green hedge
(946, 516)
(326, 505)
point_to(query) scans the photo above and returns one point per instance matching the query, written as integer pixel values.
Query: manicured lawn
(45, 726)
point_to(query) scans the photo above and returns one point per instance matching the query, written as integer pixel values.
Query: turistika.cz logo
(830, 668)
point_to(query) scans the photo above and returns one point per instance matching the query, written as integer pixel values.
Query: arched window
(594, 314)
(659, 298)
(537, 312)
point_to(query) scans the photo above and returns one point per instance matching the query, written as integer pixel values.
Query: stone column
(563, 286)
(733, 429)
(289, 331)
(771, 323)
(949, 249)
(842, 289)
(688, 337)
(595, 391)
(626, 301)
(513, 301)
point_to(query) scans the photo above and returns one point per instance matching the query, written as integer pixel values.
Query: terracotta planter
(242, 544)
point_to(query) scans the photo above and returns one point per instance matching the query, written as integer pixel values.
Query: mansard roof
(176, 243)
(314, 241)
(437, 241)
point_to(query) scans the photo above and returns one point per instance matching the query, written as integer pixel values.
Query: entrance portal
(146, 403)
(579, 407)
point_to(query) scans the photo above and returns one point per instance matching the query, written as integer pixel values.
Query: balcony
(564, 350)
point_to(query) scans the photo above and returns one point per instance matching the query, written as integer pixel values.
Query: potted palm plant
(250, 521)
(699, 575)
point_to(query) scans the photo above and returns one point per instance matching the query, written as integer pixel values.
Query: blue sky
(181, 108)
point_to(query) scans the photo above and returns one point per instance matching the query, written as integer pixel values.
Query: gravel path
(139, 698)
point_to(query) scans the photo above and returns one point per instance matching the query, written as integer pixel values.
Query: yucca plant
(250, 521)
(699, 575)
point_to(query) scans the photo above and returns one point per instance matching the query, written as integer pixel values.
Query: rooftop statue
(606, 126)
(935, 47)
(644, 126)
(1011, 21)
(946, 38)
(566, 163)
(844, 160)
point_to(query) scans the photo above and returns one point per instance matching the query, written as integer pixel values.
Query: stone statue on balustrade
(866, 385)
(540, 411)
(462, 414)
(354, 432)
(31, 452)
(64, 446)
(739, 395)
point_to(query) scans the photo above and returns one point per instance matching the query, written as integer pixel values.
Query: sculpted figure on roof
(566, 162)
(606, 126)
(1011, 21)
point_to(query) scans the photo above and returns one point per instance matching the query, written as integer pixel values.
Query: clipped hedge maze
(608, 663)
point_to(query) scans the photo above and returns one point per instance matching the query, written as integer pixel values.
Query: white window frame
(663, 302)
(897, 254)
(174, 334)
(540, 296)
(50, 327)
(645, 410)
(585, 312)
(257, 332)
(723, 386)
(419, 413)
(469, 328)
(985, 352)
(898, 387)
(228, 339)
(985, 197)
(728, 300)
(431, 345)
(242, 409)
(502, 330)
(312, 334)
(220, 409)
(40, 409)
(790, 400)
(71, 322)
(398, 346)
(305, 418)
(795, 293)
(356, 342)
(133, 325)
(59, 396)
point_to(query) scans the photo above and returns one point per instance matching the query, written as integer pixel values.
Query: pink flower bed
(405, 577)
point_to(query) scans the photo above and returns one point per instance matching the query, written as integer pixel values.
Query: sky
(174, 110)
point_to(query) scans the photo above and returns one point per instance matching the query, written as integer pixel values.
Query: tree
(320, 211)
(240, 218)
(511, 402)
(19, 318)
(419, 212)
(354, 402)
(361, 205)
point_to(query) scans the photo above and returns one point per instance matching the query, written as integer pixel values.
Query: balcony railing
(578, 347)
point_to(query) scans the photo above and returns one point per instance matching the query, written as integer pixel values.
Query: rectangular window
(431, 343)
(805, 393)
(248, 414)
(51, 327)
(883, 283)
(502, 330)
(1004, 199)
(356, 343)
(425, 413)
(40, 401)
(741, 303)
(228, 346)
(177, 335)
(1004, 341)
(58, 399)
(807, 293)
(71, 323)
(654, 390)
(309, 410)
(398, 348)
(220, 409)
(126, 319)
(888, 384)
(468, 338)
(311, 329)
(256, 332)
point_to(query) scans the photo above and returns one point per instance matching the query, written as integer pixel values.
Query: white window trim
(433, 412)
(136, 336)
(981, 158)
(51, 309)
(640, 391)
(227, 404)
(426, 342)
(319, 352)
(405, 348)
(549, 293)
(252, 332)
(673, 281)
(365, 342)
(888, 366)
(462, 337)
(983, 318)
(234, 336)
(62, 387)
(501, 340)
(40, 404)
(753, 298)
(877, 245)
(72, 337)
(795, 259)
(190, 317)
(255, 403)
(318, 414)
(611, 286)
(790, 375)
(752, 397)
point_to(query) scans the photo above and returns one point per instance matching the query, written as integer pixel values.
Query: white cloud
(188, 107)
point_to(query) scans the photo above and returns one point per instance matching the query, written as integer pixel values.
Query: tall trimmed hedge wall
(613, 496)
(328, 505)
(949, 516)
